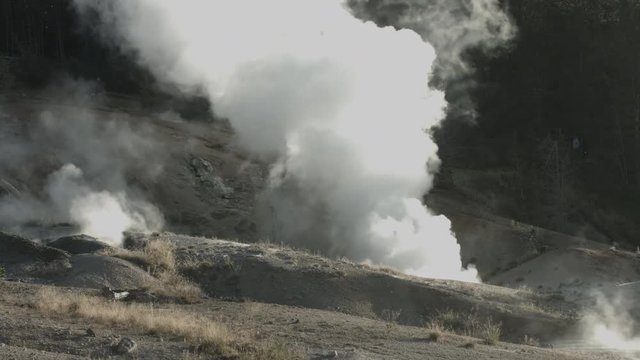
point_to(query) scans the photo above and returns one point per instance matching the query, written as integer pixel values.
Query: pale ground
(321, 334)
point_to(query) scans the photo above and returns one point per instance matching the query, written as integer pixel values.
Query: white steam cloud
(102, 214)
(472, 23)
(451, 26)
(610, 324)
(68, 165)
(343, 105)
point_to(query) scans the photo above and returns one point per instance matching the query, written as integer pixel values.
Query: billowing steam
(66, 165)
(342, 105)
(470, 24)
(453, 27)
(610, 324)
(102, 214)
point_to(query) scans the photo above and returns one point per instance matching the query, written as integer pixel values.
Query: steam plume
(67, 165)
(342, 105)
(103, 214)
(610, 323)
(451, 26)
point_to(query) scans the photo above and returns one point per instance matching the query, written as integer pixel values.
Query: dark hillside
(560, 112)
(554, 138)
(553, 135)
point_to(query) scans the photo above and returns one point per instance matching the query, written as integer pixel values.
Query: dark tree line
(34, 28)
(560, 112)
(43, 38)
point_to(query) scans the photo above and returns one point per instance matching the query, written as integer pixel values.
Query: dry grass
(490, 332)
(177, 286)
(390, 315)
(209, 337)
(277, 351)
(160, 255)
(434, 335)
(467, 324)
(158, 258)
(382, 269)
(530, 341)
(138, 317)
(437, 325)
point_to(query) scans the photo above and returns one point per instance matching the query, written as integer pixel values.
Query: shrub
(159, 254)
(158, 258)
(467, 324)
(490, 332)
(390, 315)
(531, 341)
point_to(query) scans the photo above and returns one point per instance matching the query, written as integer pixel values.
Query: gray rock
(16, 249)
(79, 244)
(126, 346)
(96, 272)
(209, 180)
(135, 241)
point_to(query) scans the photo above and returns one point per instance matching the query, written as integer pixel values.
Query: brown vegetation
(469, 324)
(158, 258)
(139, 317)
(207, 336)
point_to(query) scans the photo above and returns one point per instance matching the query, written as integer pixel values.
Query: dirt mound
(284, 276)
(496, 244)
(27, 260)
(16, 249)
(94, 271)
(574, 272)
(79, 244)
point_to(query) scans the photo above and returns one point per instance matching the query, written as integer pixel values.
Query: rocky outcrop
(79, 244)
(15, 249)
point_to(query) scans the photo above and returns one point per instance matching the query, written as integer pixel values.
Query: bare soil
(320, 334)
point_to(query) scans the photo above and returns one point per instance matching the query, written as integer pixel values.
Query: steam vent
(320, 179)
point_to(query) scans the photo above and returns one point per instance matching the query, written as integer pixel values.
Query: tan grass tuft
(160, 255)
(177, 286)
(140, 317)
(467, 324)
(158, 258)
(210, 338)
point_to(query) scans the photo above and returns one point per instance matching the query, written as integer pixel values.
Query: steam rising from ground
(102, 214)
(70, 166)
(343, 106)
(611, 324)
